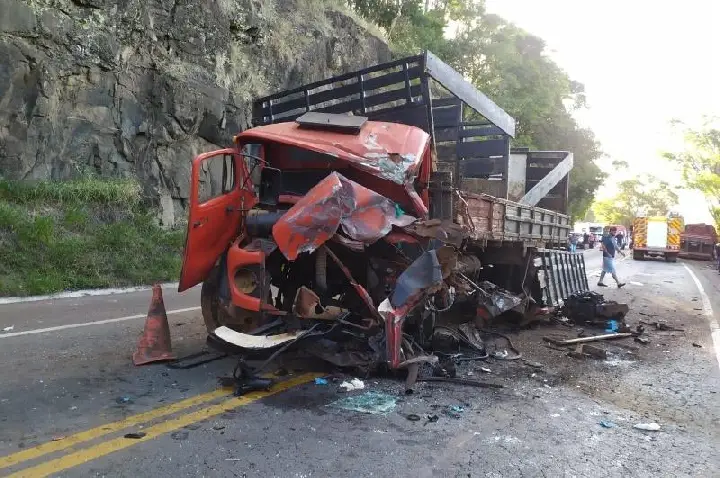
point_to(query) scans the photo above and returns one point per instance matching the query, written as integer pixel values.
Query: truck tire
(671, 257)
(638, 255)
(215, 314)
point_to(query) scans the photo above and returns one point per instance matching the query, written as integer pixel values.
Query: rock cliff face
(139, 87)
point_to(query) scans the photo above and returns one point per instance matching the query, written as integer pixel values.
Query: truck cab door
(219, 194)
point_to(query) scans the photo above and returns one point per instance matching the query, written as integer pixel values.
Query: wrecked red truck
(343, 220)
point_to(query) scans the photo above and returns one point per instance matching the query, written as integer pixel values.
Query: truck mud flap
(560, 275)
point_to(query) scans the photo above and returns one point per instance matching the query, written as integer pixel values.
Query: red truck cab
(386, 163)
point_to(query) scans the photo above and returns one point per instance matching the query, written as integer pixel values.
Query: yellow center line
(93, 433)
(88, 454)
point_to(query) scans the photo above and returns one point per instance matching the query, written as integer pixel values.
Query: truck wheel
(215, 314)
(638, 255)
(209, 301)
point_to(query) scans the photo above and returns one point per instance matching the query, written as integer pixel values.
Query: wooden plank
(460, 87)
(474, 168)
(414, 60)
(414, 114)
(548, 182)
(444, 135)
(446, 152)
(337, 93)
(446, 117)
(480, 131)
(583, 340)
(446, 101)
(481, 149)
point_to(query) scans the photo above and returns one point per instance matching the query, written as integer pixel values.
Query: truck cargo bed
(494, 219)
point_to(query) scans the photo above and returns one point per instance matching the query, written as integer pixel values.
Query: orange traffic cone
(154, 344)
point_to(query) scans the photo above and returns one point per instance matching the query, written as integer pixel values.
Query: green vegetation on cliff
(81, 234)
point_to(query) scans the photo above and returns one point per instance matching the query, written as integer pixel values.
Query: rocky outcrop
(139, 87)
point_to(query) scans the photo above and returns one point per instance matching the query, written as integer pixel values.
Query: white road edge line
(97, 322)
(707, 310)
(81, 293)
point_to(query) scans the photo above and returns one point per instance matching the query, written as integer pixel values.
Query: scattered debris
(413, 417)
(354, 384)
(121, 400)
(58, 438)
(180, 435)
(246, 383)
(374, 403)
(642, 340)
(695, 344)
(461, 381)
(432, 418)
(585, 350)
(534, 364)
(607, 424)
(321, 381)
(454, 411)
(73, 408)
(9, 329)
(648, 427)
(591, 308)
(582, 340)
(612, 326)
(135, 435)
(663, 327)
(500, 354)
(486, 370)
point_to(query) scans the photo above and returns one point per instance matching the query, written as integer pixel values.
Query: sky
(643, 63)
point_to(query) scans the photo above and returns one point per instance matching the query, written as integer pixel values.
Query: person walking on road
(620, 239)
(609, 248)
(573, 242)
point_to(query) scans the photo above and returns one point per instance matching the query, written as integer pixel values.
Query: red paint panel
(214, 223)
(239, 258)
(335, 202)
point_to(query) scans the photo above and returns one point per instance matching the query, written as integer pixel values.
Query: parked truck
(657, 236)
(356, 210)
(698, 242)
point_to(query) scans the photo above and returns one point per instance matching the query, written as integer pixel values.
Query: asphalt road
(68, 395)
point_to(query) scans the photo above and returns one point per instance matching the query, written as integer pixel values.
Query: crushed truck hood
(387, 150)
(336, 202)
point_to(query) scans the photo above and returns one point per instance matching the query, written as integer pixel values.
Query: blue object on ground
(321, 381)
(612, 326)
(607, 424)
(454, 411)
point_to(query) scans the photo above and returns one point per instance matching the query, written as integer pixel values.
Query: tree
(700, 163)
(509, 65)
(636, 196)
(590, 216)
